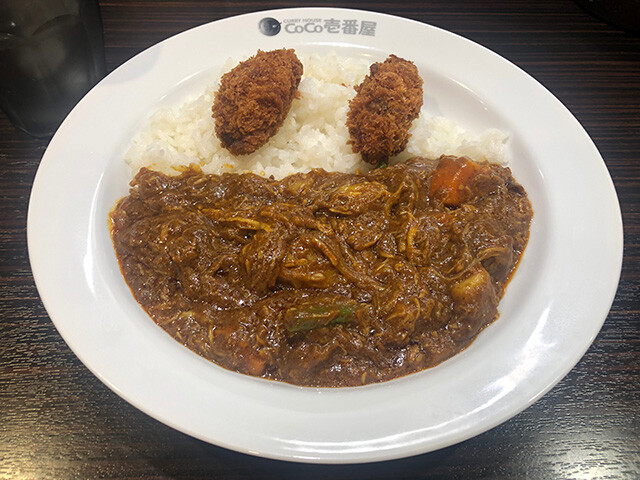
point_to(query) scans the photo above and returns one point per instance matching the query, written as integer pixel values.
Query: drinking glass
(51, 54)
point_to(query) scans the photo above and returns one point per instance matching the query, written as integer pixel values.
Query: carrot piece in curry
(452, 179)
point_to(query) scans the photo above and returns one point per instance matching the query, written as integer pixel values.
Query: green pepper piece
(381, 164)
(304, 319)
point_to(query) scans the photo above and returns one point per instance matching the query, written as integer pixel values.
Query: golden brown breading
(254, 99)
(380, 114)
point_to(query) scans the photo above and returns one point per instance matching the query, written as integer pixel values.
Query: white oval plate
(552, 311)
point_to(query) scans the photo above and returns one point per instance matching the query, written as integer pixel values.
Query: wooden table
(59, 421)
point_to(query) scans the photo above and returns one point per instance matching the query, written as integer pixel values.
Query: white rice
(314, 134)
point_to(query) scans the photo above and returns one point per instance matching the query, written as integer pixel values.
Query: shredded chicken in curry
(324, 279)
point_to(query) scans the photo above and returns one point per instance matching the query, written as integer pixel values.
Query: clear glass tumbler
(51, 54)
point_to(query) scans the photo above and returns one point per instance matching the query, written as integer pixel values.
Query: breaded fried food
(380, 114)
(254, 98)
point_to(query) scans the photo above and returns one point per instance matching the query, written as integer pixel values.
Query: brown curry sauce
(324, 279)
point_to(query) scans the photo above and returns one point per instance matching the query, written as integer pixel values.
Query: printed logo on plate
(270, 26)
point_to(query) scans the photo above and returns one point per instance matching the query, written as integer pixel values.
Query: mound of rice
(314, 134)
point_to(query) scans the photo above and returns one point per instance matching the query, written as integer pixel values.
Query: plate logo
(270, 26)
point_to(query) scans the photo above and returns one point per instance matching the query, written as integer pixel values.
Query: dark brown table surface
(59, 421)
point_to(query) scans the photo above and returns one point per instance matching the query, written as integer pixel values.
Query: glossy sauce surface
(324, 279)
